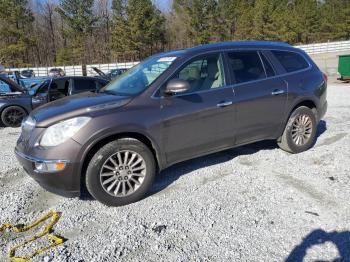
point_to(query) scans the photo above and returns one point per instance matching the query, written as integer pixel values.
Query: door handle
(277, 92)
(223, 104)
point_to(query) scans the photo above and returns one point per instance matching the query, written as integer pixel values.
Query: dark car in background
(28, 73)
(16, 104)
(173, 107)
(113, 73)
(56, 72)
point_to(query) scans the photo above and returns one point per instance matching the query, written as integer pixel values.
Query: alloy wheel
(302, 130)
(123, 173)
(14, 117)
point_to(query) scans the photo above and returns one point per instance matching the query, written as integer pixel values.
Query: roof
(230, 44)
(240, 44)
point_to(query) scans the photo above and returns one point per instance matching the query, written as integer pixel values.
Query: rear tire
(300, 132)
(121, 172)
(13, 116)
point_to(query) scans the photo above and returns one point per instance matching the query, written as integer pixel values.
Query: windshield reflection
(140, 77)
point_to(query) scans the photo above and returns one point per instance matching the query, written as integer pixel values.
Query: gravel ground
(253, 203)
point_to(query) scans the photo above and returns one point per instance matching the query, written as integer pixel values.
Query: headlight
(61, 132)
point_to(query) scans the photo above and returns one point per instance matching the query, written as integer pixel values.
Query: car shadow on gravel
(318, 237)
(321, 128)
(173, 173)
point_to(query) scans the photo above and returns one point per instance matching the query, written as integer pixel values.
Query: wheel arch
(90, 152)
(308, 102)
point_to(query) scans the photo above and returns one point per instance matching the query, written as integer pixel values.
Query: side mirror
(176, 86)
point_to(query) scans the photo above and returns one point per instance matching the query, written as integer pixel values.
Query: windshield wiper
(109, 92)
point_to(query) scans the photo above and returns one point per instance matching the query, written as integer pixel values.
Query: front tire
(12, 116)
(300, 132)
(121, 172)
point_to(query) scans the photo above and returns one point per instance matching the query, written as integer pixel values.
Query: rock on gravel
(253, 203)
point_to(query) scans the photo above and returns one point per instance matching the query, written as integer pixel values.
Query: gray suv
(172, 107)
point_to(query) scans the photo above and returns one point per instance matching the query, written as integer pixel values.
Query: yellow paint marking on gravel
(56, 240)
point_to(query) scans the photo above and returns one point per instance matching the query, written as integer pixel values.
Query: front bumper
(63, 183)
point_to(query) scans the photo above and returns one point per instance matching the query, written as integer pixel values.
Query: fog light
(49, 167)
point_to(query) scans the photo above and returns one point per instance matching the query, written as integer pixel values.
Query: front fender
(105, 134)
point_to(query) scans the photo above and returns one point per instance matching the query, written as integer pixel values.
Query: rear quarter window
(291, 61)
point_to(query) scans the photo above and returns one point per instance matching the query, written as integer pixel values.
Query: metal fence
(328, 47)
(77, 70)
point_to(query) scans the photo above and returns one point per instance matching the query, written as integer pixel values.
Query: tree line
(48, 32)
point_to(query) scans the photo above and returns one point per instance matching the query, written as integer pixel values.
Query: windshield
(138, 78)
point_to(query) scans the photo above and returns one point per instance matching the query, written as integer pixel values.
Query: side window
(290, 61)
(268, 67)
(246, 66)
(203, 73)
(81, 85)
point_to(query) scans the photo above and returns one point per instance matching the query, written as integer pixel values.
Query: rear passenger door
(260, 96)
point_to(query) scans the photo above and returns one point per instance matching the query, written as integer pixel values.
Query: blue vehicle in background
(17, 102)
(26, 83)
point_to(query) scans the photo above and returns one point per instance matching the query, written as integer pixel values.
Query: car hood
(82, 104)
(9, 95)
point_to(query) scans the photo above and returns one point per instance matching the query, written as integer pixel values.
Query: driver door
(200, 120)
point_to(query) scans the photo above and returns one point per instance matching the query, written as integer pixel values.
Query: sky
(163, 5)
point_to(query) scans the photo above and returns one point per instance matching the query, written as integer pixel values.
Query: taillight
(325, 77)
